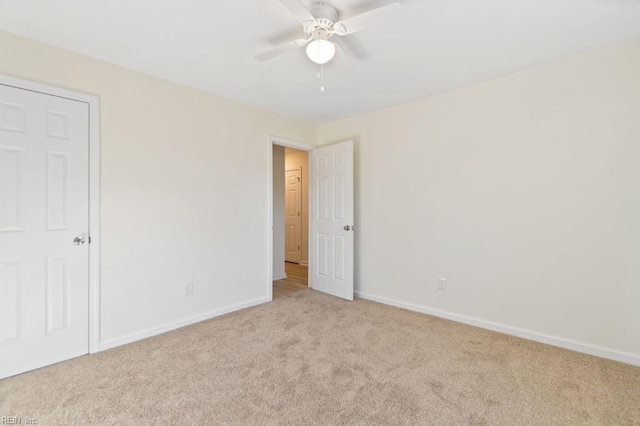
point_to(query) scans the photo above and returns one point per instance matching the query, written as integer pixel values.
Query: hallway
(297, 279)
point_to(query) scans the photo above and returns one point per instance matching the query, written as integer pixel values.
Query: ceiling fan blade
(284, 36)
(342, 55)
(283, 48)
(352, 48)
(298, 10)
(366, 18)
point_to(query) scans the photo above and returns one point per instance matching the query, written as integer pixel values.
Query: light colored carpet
(311, 358)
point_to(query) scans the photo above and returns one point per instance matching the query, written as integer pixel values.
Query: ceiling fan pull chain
(322, 80)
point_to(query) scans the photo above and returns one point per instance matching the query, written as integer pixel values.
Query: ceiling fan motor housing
(325, 16)
(324, 11)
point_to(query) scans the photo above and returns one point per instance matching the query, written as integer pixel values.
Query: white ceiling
(429, 47)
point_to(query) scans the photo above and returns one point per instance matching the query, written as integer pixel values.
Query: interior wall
(523, 192)
(184, 181)
(278, 212)
(296, 158)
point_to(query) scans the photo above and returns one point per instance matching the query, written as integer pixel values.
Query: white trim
(548, 339)
(94, 192)
(275, 140)
(179, 324)
(282, 276)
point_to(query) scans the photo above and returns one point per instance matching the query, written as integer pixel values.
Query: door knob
(78, 241)
(347, 228)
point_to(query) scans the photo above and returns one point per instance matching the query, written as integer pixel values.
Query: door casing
(94, 192)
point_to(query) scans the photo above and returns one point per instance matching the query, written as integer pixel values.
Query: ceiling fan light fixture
(321, 51)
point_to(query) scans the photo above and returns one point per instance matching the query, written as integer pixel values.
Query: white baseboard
(281, 276)
(169, 327)
(304, 263)
(548, 339)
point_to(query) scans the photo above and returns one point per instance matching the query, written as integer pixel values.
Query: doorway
(327, 231)
(290, 220)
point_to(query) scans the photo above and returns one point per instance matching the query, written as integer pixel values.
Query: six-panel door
(44, 207)
(332, 219)
(293, 215)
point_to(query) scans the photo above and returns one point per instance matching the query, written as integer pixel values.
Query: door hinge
(298, 213)
(298, 248)
(89, 239)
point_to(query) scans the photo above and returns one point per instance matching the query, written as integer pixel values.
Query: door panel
(11, 216)
(44, 205)
(332, 220)
(10, 312)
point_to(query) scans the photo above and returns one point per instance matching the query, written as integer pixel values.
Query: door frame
(299, 196)
(93, 102)
(275, 140)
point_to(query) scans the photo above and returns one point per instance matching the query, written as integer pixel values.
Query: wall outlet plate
(442, 284)
(188, 289)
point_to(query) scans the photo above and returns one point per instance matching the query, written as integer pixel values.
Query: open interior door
(331, 245)
(44, 221)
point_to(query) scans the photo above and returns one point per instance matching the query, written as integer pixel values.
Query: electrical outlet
(188, 289)
(442, 284)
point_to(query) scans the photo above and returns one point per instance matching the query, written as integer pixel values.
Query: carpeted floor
(312, 358)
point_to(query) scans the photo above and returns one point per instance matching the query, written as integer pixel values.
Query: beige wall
(295, 158)
(182, 177)
(524, 192)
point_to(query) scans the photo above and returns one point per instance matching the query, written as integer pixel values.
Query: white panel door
(332, 220)
(292, 215)
(44, 206)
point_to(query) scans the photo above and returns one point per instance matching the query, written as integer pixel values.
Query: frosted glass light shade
(321, 51)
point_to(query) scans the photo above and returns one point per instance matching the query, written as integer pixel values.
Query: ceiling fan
(321, 22)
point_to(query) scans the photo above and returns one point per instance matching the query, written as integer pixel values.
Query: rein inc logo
(17, 420)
